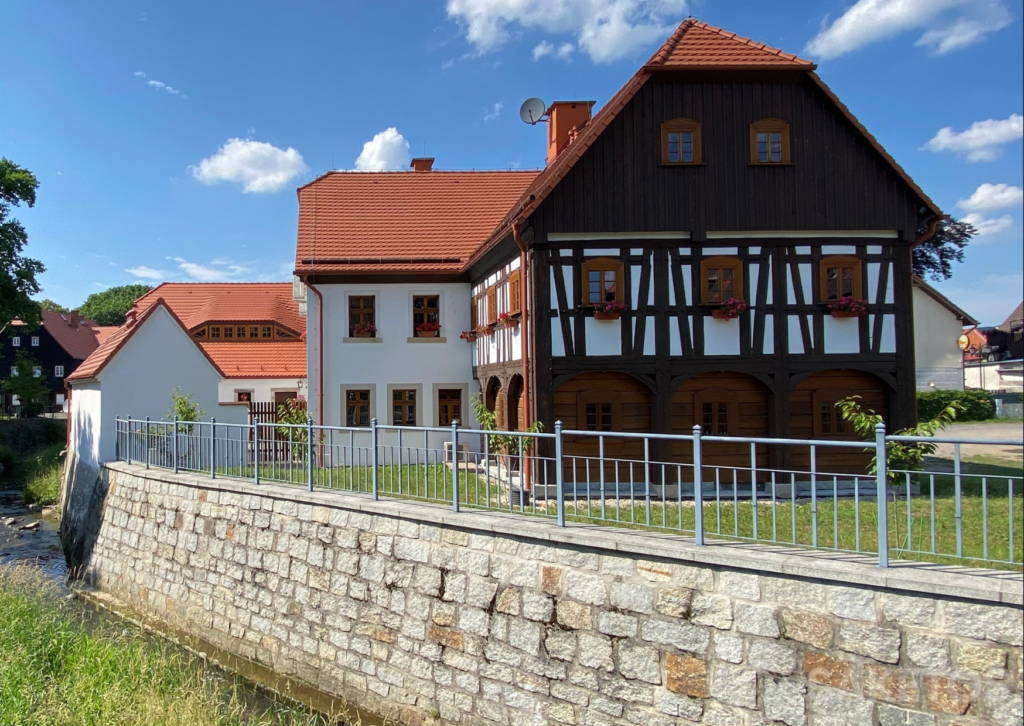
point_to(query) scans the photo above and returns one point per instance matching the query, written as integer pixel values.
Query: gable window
(199, 333)
(828, 419)
(229, 332)
(357, 407)
(680, 142)
(602, 280)
(58, 371)
(515, 292)
(240, 332)
(721, 279)
(715, 409)
(425, 312)
(16, 341)
(362, 312)
(403, 407)
(254, 331)
(266, 331)
(449, 406)
(35, 341)
(215, 332)
(492, 305)
(769, 142)
(840, 277)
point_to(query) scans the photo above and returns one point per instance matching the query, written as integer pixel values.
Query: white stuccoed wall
(939, 359)
(263, 388)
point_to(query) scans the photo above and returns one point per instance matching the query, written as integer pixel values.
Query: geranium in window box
(428, 330)
(470, 336)
(610, 310)
(505, 320)
(848, 307)
(364, 330)
(730, 309)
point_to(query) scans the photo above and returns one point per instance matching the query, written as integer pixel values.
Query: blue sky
(169, 138)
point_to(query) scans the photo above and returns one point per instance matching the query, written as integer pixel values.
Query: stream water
(30, 536)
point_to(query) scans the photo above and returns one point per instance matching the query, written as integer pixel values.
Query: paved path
(984, 430)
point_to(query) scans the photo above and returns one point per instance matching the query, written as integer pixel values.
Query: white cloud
(993, 196)
(387, 151)
(871, 21)
(256, 165)
(988, 226)
(160, 85)
(146, 273)
(493, 112)
(140, 74)
(565, 51)
(607, 30)
(989, 299)
(981, 141)
(219, 270)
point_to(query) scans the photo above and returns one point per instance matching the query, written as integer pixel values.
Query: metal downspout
(524, 344)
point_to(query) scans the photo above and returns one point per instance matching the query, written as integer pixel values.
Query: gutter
(523, 342)
(319, 350)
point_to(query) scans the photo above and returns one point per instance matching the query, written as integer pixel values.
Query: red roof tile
(197, 303)
(79, 340)
(272, 359)
(103, 332)
(698, 45)
(360, 222)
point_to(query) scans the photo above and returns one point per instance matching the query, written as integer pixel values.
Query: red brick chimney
(74, 318)
(565, 120)
(422, 163)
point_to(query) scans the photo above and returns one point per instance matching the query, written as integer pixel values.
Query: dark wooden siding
(837, 179)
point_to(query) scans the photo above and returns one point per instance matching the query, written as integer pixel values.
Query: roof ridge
(661, 58)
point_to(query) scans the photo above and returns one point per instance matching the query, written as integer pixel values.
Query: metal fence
(791, 492)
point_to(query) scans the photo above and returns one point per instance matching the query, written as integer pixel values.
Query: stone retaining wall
(503, 620)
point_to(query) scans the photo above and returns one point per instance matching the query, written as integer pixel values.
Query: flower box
(469, 336)
(721, 315)
(427, 333)
(730, 309)
(848, 307)
(362, 334)
(845, 314)
(505, 320)
(610, 310)
(607, 315)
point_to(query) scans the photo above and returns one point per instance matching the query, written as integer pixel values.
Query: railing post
(881, 495)
(213, 448)
(146, 440)
(559, 476)
(698, 489)
(256, 450)
(309, 451)
(373, 458)
(174, 442)
(117, 438)
(455, 466)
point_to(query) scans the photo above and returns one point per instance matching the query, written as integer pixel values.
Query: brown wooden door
(281, 396)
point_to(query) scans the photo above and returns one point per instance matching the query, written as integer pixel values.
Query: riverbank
(61, 664)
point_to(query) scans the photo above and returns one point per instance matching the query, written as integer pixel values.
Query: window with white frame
(58, 371)
(14, 371)
(16, 341)
(35, 341)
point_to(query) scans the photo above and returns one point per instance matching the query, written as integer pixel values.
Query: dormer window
(680, 142)
(769, 142)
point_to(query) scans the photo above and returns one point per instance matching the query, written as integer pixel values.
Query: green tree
(31, 390)
(934, 257)
(50, 305)
(17, 272)
(183, 407)
(110, 306)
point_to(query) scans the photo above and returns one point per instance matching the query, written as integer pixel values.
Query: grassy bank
(56, 669)
(30, 453)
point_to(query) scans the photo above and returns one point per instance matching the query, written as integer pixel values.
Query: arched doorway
(722, 404)
(514, 410)
(493, 402)
(603, 402)
(814, 415)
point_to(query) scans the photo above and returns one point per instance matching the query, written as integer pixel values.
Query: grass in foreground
(56, 669)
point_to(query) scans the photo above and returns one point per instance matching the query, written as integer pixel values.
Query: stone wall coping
(946, 581)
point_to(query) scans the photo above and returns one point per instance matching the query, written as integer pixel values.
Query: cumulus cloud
(146, 273)
(387, 151)
(989, 226)
(160, 85)
(993, 196)
(492, 113)
(216, 271)
(981, 141)
(256, 165)
(606, 30)
(871, 21)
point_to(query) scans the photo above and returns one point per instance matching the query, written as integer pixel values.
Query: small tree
(184, 408)
(52, 306)
(507, 443)
(900, 456)
(935, 256)
(31, 389)
(293, 413)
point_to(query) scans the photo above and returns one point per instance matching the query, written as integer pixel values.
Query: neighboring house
(59, 344)
(723, 169)
(994, 358)
(938, 325)
(227, 344)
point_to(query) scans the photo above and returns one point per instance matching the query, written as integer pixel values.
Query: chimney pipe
(565, 120)
(422, 163)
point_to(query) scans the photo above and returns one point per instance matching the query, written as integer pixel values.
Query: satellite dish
(532, 110)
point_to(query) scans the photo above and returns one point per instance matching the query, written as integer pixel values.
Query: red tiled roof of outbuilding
(408, 221)
(196, 303)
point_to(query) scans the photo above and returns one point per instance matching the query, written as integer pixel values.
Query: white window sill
(426, 340)
(362, 340)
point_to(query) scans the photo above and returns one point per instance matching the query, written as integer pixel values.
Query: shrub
(7, 460)
(975, 404)
(42, 472)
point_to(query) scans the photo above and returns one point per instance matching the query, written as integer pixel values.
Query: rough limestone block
(638, 662)
(740, 585)
(595, 651)
(687, 675)
(928, 651)
(894, 716)
(767, 655)
(852, 603)
(757, 620)
(834, 708)
(915, 611)
(617, 624)
(882, 644)
(892, 685)
(728, 647)
(679, 635)
(635, 598)
(1005, 708)
(825, 670)
(734, 685)
(784, 700)
(537, 606)
(806, 628)
(712, 610)
(573, 615)
(561, 645)
(946, 695)
(986, 662)
(985, 622)
(674, 602)
(588, 589)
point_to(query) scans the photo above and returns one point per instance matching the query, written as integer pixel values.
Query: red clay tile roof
(103, 332)
(196, 303)
(273, 359)
(698, 45)
(415, 222)
(78, 340)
